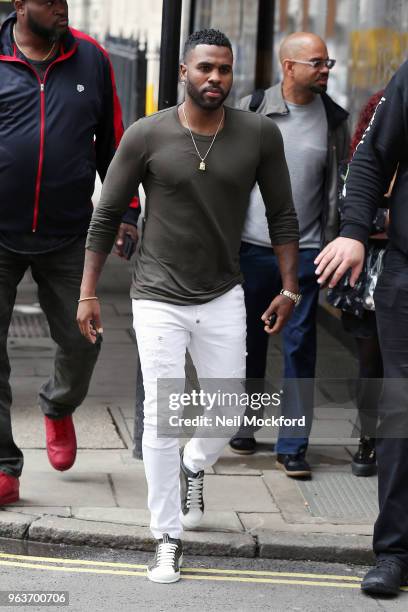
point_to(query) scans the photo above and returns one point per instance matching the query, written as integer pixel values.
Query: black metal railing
(129, 62)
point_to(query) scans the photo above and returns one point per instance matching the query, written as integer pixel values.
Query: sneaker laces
(166, 552)
(60, 430)
(195, 492)
(366, 447)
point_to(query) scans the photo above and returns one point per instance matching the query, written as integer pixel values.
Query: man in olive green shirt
(198, 163)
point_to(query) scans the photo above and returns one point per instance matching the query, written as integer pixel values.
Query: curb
(265, 544)
(109, 535)
(333, 548)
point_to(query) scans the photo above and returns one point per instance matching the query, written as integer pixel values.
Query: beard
(51, 35)
(205, 104)
(318, 89)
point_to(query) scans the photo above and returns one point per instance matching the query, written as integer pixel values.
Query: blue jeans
(262, 282)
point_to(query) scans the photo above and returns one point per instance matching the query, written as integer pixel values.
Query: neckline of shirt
(202, 137)
(305, 107)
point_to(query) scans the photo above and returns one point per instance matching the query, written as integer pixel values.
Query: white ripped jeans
(215, 335)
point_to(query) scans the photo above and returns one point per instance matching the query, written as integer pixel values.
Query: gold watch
(295, 297)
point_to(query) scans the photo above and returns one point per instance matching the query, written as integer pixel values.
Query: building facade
(368, 38)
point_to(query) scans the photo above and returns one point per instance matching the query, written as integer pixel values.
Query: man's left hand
(336, 258)
(283, 307)
(125, 228)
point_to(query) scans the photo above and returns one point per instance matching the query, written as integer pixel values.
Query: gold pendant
(202, 166)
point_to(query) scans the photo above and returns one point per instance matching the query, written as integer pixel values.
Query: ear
(19, 5)
(183, 73)
(287, 67)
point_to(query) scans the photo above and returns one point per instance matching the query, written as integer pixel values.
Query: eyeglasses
(329, 63)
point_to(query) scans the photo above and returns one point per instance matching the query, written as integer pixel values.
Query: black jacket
(383, 149)
(54, 135)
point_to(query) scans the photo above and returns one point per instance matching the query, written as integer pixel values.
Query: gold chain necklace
(44, 59)
(202, 165)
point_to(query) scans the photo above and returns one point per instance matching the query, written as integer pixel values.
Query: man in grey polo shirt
(315, 136)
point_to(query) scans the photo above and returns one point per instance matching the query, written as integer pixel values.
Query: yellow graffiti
(375, 55)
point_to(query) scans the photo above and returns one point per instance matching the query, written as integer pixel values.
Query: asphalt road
(112, 581)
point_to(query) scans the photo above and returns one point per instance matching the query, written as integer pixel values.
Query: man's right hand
(338, 257)
(89, 320)
(283, 308)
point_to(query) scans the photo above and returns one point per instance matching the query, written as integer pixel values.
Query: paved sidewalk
(252, 509)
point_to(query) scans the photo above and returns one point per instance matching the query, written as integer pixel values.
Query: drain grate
(341, 496)
(28, 326)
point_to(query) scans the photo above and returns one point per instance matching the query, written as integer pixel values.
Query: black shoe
(167, 560)
(385, 578)
(191, 492)
(243, 446)
(364, 462)
(294, 466)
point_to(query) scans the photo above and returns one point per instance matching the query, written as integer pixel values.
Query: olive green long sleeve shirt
(194, 219)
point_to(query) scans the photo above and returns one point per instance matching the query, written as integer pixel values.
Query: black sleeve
(378, 224)
(375, 159)
(108, 135)
(109, 130)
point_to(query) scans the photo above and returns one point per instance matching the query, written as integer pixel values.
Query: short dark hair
(206, 37)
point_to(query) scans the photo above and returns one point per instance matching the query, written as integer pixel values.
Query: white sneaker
(192, 500)
(167, 561)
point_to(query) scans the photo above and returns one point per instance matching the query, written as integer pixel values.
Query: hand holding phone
(129, 246)
(272, 320)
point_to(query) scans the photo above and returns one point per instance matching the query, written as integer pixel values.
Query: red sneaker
(9, 489)
(61, 442)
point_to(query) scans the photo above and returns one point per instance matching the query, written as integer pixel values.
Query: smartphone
(272, 320)
(129, 246)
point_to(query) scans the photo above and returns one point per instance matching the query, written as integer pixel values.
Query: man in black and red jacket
(60, 122)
